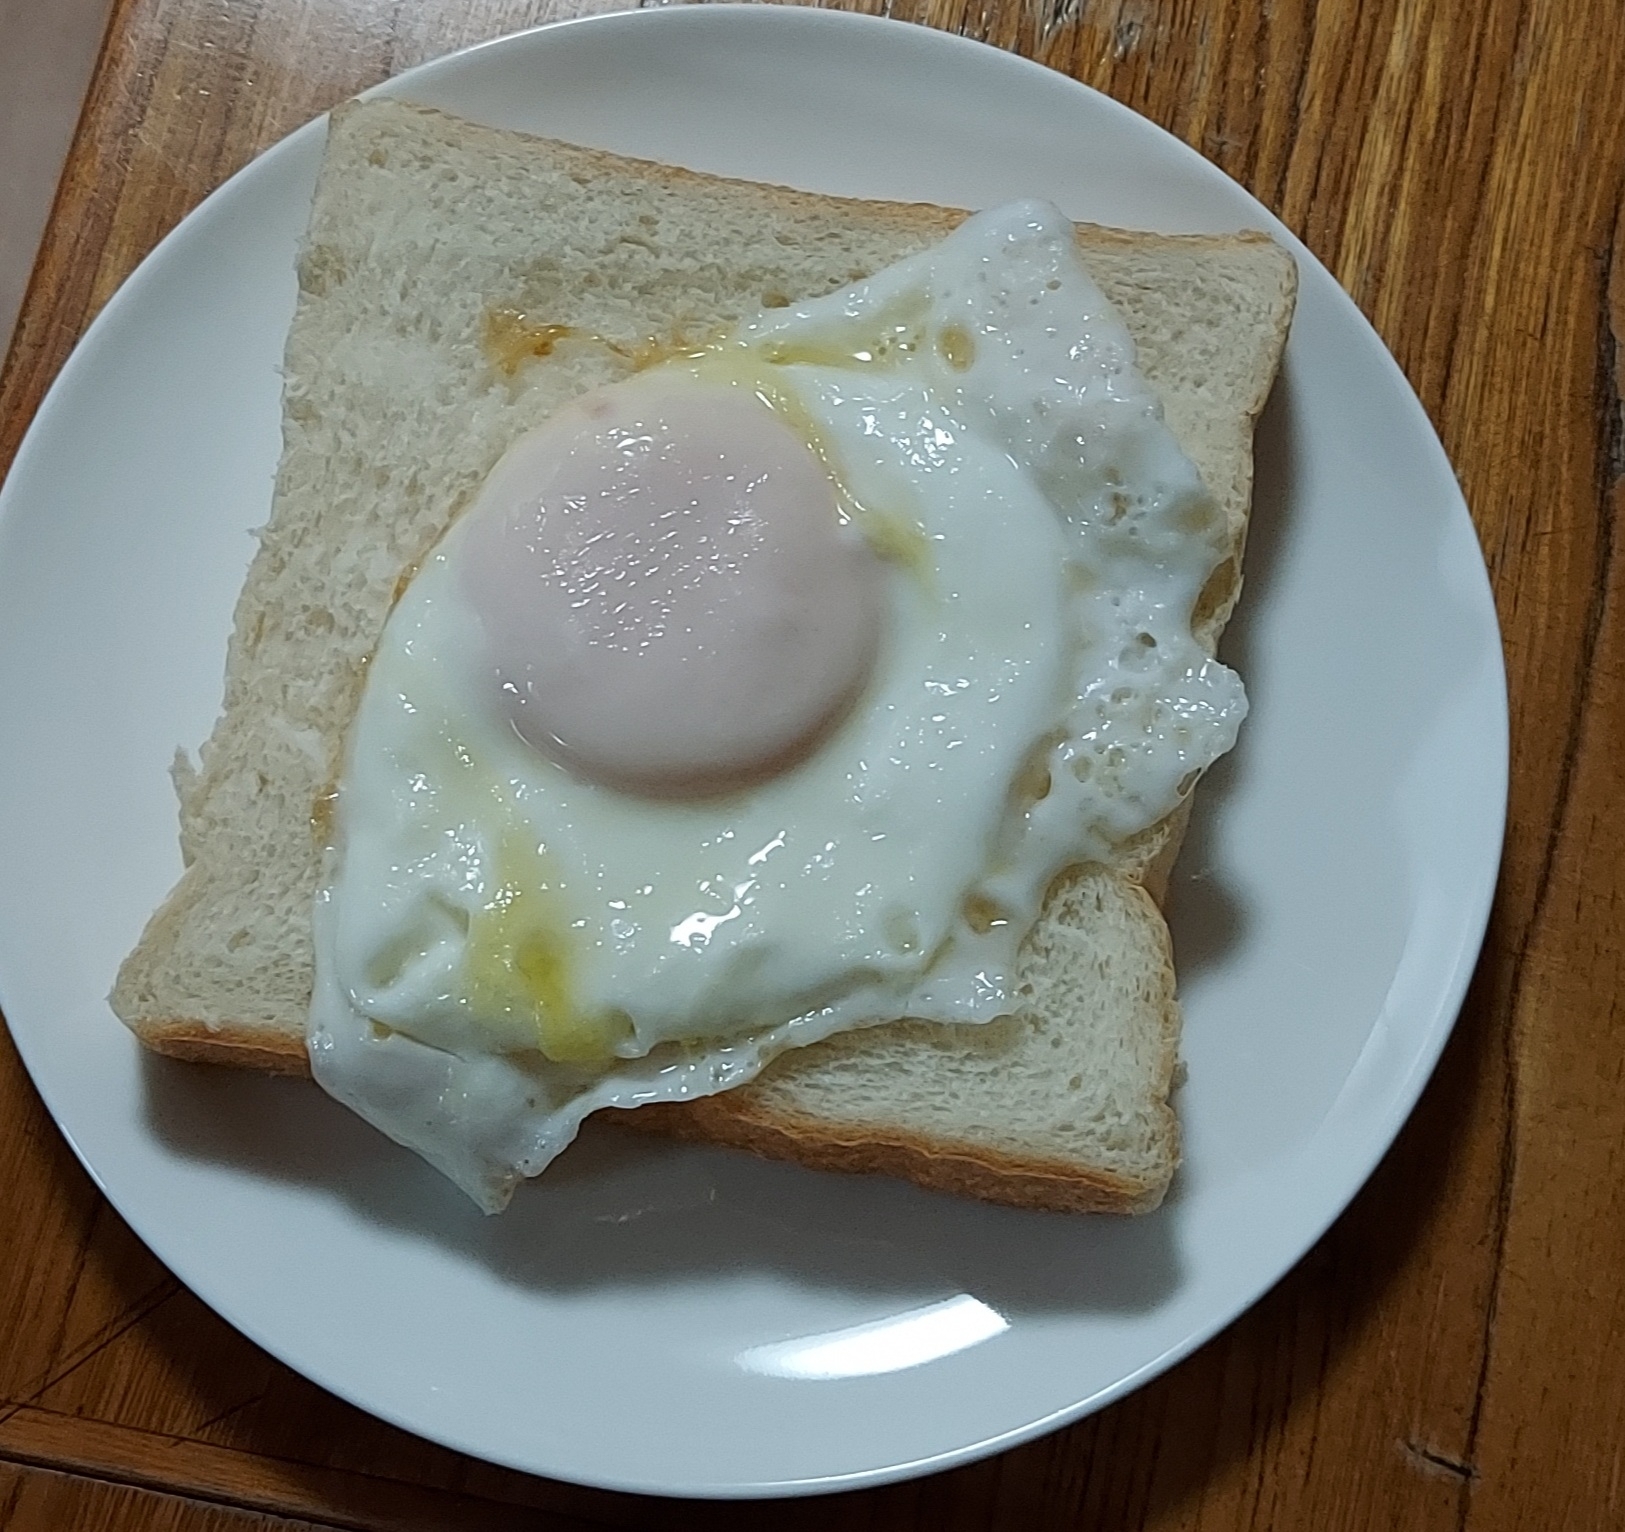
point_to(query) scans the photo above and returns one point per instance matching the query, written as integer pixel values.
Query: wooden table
(1451, 1354)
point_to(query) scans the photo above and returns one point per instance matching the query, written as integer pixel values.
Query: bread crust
(239, 1048)
(967, 1170)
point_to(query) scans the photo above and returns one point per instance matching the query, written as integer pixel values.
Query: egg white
(503, 948)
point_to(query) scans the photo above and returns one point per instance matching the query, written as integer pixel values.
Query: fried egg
(762, 696)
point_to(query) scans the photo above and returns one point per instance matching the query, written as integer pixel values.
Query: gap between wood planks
(249, 1481)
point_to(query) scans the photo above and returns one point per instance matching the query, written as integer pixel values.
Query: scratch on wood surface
(1507, 1169)
(104, 1337)
(1610, 349)
(1440, 1464)
(229, 1411)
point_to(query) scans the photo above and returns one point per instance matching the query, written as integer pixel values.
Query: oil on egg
(921, 557)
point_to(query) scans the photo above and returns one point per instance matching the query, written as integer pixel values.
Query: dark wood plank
(44, 1500)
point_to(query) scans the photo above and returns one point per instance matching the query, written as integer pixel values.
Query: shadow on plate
(1207, 919)
(619, 1209)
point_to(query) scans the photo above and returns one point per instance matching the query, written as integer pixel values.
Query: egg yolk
(673, 600)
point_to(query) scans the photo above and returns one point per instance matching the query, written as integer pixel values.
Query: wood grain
(1450, 1354)
(40, 1500)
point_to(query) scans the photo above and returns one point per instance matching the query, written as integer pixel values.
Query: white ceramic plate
(686, 1320)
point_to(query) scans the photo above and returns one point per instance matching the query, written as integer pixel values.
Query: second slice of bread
(459, 284)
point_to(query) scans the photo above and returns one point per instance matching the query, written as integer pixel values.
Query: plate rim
(1474, 905)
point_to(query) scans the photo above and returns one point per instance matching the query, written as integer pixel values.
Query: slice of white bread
(457, 285)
